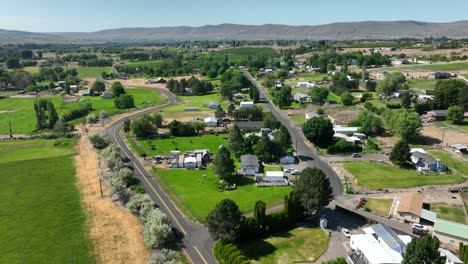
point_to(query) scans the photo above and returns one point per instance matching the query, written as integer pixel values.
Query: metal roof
(428, 215)
(389, 237)
(451, 228)
(249, 160)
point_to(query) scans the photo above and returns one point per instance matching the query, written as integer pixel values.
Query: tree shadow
(425, 140)
(243, 181)
(305, 158)
(257, 249)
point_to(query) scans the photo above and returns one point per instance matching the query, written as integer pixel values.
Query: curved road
(198, 243)
(304, 152)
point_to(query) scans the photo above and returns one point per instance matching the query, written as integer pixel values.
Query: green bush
(77, 112)
(342, 146)
(372, 144)
(393, 105)
(229, 254)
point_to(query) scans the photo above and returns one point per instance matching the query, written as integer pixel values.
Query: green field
(162, 146)
(241, 54)
(379, 206)
(21, 113)
(333, 98)
(41, 216)
(449, 212)
(457, 66)
(83, 72)
(312, 76)
(136, 64)
(422, 84)
(298, 119)
(376, 176)
(300, 245)
(197, 196)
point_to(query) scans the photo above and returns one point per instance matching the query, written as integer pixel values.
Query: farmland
(197, 195)
(240, 54)
(42, 219)
(456, 66)
(376, 176)
(20, 111)
(83, 72)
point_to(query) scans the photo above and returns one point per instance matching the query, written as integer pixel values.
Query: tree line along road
(304, 152)
(197, 242)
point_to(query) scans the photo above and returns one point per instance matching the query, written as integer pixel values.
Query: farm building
(211, 121)
(409, 207)
(425, 162)
(439, 76)
(345, 130)
(450, 233)
(212, 105)
(304, 85)
(157, 80)
(246, 104)
(287, 159)
(301, 98)
(437, 115)
(190, 162)
(107, 95)
(249, 164)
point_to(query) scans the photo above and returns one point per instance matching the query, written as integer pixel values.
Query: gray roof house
(212, 105)
(425, 162)
(438, 114)
(301, 98)
(249, 164)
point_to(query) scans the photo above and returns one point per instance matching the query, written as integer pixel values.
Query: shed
(211, 121)
(301, 98)
(107, 95)
(190, 162)
(345, 130)
(438, 114)
(451, 233)
(157, 80)
(85, 93)
(246, 104)
(287, 159)
(212, 105)
(274, 176)
(304, 85)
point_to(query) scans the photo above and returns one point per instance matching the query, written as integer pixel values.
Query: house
(212, 105)
(348, 139)
(450, 257)
(74, 88)
(301, 98)
(107, 95)
(157, 80)
(439, 76)
(249, 164)
(345, 130)
(450, 233)
(287, 159)
(85, 93)
(409, 207)
(246, 104)
(437, 115)
(304, 85)
(425, 162)
(211, 121)
(190, 162)
(378, 245)
(238, 96)
(279, 85)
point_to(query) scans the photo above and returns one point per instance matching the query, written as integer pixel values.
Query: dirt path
(117, 233)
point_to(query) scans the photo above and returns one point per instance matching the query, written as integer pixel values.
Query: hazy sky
(92, 15)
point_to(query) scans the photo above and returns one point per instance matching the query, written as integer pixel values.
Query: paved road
(198, 243)
(305, 152)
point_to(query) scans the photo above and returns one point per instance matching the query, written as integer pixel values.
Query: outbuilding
(247, 104)
(211, 121)
(107, 95)
(287, 159)
(190, 162)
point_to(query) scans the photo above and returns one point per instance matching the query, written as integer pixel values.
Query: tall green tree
(46, 116)
(267, 150)
(143, 127)
(446, 93)
(117, 89)
(455, 114)
(423, 249)
(260, 213)
(124, 101)
(270, 121)
(405, 99)
(313, 189)
(318, 95)
(283, 138)
(400, 154)
(235, 140)
(283, 97)
(224, 220)
(254, 94)
(97, 87)
(224, 164)
(347, 98)
(319, 131)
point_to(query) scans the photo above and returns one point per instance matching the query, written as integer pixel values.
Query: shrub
(393, 105)
(103, 114)
(99, 141)
(91, 118)
(124, 101)
(164, 256)
(372, 144)
(157, 232)
(342, 146)
(229, 254)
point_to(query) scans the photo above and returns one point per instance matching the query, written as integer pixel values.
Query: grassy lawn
(449, 212)
(455, 165)
(42, 219)
(198, 194)
(272, 168)
(376, 176)
(379, 206)
(333, 98)
(422, 84)
(298, 119)
(458, 66)
(21, 113)
(161, 146)
(299, 245)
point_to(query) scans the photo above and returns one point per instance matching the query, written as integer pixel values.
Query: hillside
(335, 31)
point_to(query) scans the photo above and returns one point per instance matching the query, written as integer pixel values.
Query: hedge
(229, 254)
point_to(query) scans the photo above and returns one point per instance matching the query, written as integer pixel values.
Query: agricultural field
(379, 206)
(456, 66)
(136, 64)
(241, 54)
(21, 113)
(377, 176)
(197, 194)
(300, 245)
(422, 84)
(449, 212)
(162, 146)
(42, 218)
(83, 72)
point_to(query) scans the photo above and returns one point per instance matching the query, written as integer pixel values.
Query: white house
(345, 130)
(287, 159)
(211, 121)
(304, 85)
(301, 97)
(190, 162)
(246, 104)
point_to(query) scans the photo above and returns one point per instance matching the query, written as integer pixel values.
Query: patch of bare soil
(116, 232)
(450, 136)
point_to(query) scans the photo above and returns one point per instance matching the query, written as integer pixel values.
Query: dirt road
(116, 233)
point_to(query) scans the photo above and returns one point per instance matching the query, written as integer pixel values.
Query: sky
(94, 15)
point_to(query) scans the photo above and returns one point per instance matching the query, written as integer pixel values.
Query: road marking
(198, 251)
(157, 194)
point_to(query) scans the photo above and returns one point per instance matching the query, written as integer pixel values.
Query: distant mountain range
(335, 31)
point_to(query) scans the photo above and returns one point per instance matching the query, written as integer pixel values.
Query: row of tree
(196, 86)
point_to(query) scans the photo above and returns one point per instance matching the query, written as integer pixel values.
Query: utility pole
(442, 141)
(11, 133)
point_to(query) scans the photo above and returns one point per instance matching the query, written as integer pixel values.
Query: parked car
(418, 226)
(356, 155)
(295, 172)
(346, 232)
(420, 232)
(288, 170)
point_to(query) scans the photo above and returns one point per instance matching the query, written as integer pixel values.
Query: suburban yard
(422, 84)
(455, 165)
(197, 194)
(377, 176)
(42, 218)
(379, 206)
(20, 111)
(449, 212)
(162, 146)
(300, 245)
